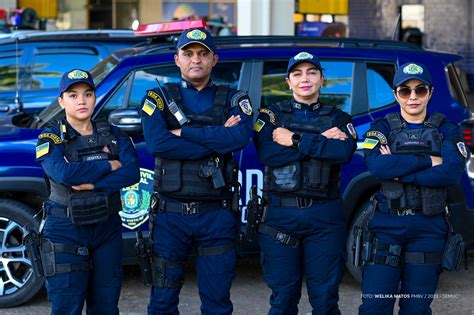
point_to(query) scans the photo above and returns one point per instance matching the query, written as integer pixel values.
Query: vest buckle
(190, 208)
(404, 212)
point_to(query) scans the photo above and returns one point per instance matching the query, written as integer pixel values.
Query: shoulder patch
(352, 130)
(158, 100)
(462, 149)
(378, 135)
(369, 143)
(258, 125)
(42, 149)
(237, 97)
(48, 135)
(269, 113)
(245, 106)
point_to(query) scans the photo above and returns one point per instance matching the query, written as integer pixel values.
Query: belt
(189, 208)
(298, 202)
(399, 212)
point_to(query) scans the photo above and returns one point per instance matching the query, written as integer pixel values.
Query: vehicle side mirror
(128, 120)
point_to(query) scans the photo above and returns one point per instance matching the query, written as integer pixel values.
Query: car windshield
(99, 72)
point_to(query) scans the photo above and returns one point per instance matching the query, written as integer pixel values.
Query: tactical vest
(88, 207)
(310, 177)
(423, 141)
(196, 180)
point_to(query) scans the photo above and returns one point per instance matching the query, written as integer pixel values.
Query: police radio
(63, 131)
(173, 107)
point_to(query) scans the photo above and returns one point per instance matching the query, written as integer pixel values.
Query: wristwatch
(296, 138)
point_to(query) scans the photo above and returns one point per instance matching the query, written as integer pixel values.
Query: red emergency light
(169, 27)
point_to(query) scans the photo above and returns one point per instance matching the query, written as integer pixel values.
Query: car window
(336, 90)
(8, 72)
(379, 84)
(145, 79)
(48, 66)
(455, 86)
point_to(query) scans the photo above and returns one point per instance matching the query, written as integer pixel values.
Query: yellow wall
(324, 6)
(44, 8)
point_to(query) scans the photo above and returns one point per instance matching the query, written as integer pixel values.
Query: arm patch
(377, 134)
(48, 135)
(241, 99)
(269, 113)
(152, 101)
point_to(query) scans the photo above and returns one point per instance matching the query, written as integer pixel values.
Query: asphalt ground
(455, 294)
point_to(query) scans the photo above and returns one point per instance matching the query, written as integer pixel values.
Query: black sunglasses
(420, 91)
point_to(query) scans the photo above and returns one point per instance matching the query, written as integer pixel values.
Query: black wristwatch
(296, 138)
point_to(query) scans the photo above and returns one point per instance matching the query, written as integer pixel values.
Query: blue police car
(358, 77)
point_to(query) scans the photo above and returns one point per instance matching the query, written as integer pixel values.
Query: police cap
(409, 71)
(198, 36)
(75, 76)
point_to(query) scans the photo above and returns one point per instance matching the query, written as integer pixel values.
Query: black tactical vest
(423, 141)
(194, 180)
(87, 207)
(310, 178)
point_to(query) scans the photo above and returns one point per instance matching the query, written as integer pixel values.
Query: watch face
(296, 137)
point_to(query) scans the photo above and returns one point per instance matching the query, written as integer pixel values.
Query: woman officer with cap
(87, 163)
(303, 144)
(415, 155)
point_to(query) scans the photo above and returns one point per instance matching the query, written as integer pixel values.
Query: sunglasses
(420, 91)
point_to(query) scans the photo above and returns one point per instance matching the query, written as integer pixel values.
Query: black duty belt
(298, 202)
(189, 208)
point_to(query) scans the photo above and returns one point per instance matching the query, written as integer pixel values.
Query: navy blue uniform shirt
(99, 173)
(416, 169)
(311, 145)
(195, 142)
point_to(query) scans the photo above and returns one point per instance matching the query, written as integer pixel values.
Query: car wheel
(18, 283)
(363, 214)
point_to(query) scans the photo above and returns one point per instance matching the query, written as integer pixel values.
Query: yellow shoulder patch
(258, 125)
(148, 107)
(56, 139)
(42, 149)
(269, 113)
(158, 100)
(369, 143)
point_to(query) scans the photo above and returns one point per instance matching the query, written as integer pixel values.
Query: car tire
(18, 284)
(361, 218)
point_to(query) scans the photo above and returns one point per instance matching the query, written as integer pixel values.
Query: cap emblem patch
(77, 74)
(196, 35)
(413, 69)
(303, 56)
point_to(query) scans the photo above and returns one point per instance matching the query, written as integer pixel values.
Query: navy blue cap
(409, 71)
(303, 57)
(75, 76)
(198, 36)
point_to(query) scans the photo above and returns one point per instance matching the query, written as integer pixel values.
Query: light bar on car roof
(169, 27)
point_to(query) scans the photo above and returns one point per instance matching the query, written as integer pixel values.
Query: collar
(303, 106)
(188, 85)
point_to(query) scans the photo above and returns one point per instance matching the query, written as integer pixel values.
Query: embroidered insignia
(148, 107)
(352, 130)
(412, 68)
(369, 143)
(42, 149)
(378, 135)
(56, 139)
(462, 149)
(269, 113)
(196, 34)
(77, 74)
(159, 101)
(303, 56)
(258, 125)
(105, 149)
(245, 106)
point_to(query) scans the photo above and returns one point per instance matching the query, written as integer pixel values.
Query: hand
(115, 164)
(232, 121)
(436, 160)
(84, 187)
(335, 133)
(282, 136)
(176, 132)
(385, 149)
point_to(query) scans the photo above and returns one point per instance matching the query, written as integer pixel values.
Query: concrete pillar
(265, 17)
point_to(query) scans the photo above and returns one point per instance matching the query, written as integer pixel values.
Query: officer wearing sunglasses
(415, 155)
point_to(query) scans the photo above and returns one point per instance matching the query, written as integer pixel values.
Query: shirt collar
(187, 85)
(303, 106)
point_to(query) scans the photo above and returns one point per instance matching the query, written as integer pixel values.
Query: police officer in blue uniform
(195, 177)
(303, 144)
(416, 156)
(86, 162)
